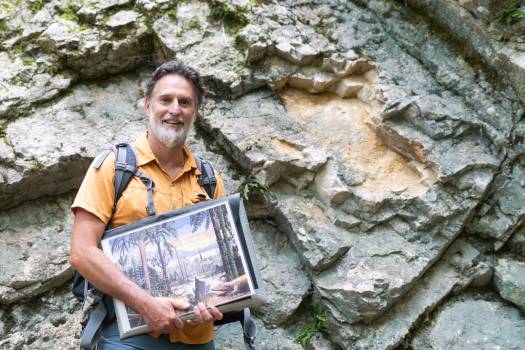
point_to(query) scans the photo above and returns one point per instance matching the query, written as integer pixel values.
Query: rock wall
(390, 136)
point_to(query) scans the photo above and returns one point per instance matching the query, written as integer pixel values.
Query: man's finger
(217, 315)
(178, 322)
(197, 313)
(204, 312)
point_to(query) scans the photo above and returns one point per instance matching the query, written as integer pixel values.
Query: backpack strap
(125, 168)
(249, 329)
(206, 179)
(91, 332)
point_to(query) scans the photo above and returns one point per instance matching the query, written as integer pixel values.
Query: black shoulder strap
(206, 179)
(125, 168)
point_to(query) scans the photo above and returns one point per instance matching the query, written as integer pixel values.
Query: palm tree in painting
(221, 214)
(122, 245)
(209, 217)
(160, 237)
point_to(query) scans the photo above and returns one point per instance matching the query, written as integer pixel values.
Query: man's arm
(89, 260)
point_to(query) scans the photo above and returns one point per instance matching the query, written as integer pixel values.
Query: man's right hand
(160, 314)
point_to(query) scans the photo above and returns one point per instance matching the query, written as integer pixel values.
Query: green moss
(510, 14)
(37, 6)
(9, 6)
(28, 60)
(36, 165)
(18, 48)
(316, 325)
(172, 12)
(194, 24)
(233, 18)
(69, 12)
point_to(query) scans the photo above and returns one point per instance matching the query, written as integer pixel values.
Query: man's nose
(174, 107)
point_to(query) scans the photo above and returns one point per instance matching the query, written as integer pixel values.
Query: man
(173, 96)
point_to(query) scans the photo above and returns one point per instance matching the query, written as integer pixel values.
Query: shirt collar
(145, 155)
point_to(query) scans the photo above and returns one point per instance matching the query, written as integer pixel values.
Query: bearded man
(173, 96)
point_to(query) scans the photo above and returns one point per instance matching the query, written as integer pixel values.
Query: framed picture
(202, 253)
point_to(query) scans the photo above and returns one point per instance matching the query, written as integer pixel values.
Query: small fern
(315, 326)
(252, 184)
(510, 14)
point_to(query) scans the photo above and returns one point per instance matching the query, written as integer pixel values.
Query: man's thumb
(180, 305)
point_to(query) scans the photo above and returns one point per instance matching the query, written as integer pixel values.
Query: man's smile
(173, 121)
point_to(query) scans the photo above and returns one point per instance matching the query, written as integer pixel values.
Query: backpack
(97, 308)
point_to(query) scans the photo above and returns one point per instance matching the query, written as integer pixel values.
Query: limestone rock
(329, 187)
(65, 137)
(204, 46)
(49, 321)
(460, 323)
(27, 81)
(285, 281)
(271, 143)
(122, 18)
(229, 337)
(283, 35)
(517, 242)
(509, 278)
(502, 212)
(319, 242)
(36, 248)
(392, 328)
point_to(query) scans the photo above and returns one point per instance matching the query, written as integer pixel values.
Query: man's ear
(146, 105)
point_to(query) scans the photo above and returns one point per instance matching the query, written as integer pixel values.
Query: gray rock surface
(472, 323)
(517, 242)
(285, 280)
(228, 337)
(50, 321)
(35, 246)
(509, 278)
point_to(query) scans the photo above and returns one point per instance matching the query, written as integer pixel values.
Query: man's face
(171, 110)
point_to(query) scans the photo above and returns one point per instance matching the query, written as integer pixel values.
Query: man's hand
(202, 314)
(159, 314)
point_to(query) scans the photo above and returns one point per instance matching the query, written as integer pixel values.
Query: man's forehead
(174, 83)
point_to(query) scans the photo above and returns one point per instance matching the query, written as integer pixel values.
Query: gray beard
(167, 136)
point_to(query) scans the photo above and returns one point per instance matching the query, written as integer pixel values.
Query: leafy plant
(252, 184)
(510, 14)
(315, 326)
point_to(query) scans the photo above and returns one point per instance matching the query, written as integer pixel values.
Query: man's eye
(165, 100)
(184, 102)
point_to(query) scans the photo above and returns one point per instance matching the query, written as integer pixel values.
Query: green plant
(315, 326)
(510, 14)
(252, 184)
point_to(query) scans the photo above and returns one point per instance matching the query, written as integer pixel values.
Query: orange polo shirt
(97, 191)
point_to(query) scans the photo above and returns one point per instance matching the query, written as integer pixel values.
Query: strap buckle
(120, 166)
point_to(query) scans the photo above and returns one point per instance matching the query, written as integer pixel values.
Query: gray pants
(110, 340)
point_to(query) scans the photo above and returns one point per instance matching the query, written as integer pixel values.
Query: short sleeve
(219, 189)
(97, 191)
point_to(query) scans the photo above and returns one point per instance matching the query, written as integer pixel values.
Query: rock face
(390, 137)
(509, 277)
(460, 323)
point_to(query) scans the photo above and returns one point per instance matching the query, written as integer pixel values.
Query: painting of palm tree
(193, 257)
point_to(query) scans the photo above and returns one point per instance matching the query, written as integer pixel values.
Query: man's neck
(170, 159)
